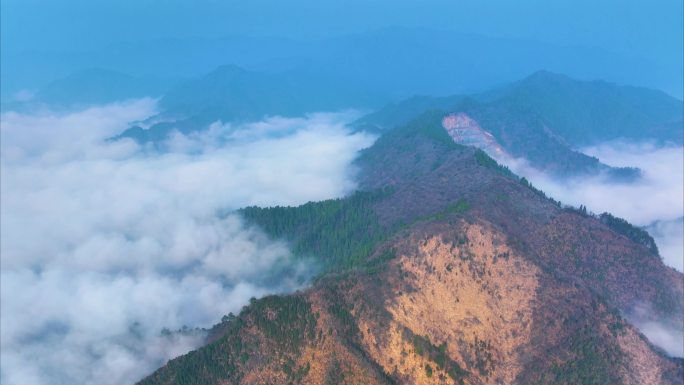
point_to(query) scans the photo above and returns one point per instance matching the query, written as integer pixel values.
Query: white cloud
(669, 236)
(667, 335)
(104, 244)
(670, 339)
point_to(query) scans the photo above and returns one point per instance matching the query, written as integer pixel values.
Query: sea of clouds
(105, 244)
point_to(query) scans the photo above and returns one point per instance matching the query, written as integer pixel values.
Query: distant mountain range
(396, 61)
(546, 117)
(233, 94)
(447, 268)
(91, 87)
(582, 112)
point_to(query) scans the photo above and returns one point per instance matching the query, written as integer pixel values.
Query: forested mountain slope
(446, 268)
(545, 118)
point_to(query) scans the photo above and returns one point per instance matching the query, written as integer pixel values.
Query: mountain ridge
(91, 87)
(467, 275)
(541, 117)
(232, 94)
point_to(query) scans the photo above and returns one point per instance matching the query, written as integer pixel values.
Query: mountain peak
(98, 86)
(546, 74)
(228, 69)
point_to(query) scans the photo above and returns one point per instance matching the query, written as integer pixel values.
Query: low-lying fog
(104, 244)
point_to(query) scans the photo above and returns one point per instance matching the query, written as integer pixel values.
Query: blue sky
(642, 27)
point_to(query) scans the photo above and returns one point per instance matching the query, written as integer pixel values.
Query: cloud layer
(669, 236)
(105, 244)
(669, 336)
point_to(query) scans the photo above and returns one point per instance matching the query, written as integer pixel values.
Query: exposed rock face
(466, 291)
(466, 131)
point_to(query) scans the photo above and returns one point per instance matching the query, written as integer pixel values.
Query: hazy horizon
(44, 41)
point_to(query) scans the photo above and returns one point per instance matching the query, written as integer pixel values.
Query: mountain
(447, 268)
(93, 86)
(233, 94)
(545, 117)
(588, 112)
(397, 61)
